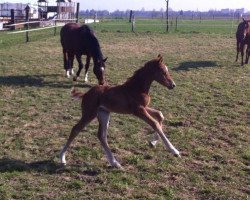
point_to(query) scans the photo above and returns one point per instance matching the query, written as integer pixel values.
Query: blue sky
(111, 5)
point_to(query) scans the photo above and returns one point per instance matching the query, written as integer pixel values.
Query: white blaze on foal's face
(166, 68)
(165, 77)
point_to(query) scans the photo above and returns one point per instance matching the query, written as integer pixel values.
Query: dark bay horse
(247, 43)
(132, 97)
(241, 33)
(79, 40)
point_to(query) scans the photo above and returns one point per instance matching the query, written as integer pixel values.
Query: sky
(111, 5)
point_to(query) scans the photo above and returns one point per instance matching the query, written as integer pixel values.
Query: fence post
(55, 28)
(77, 12)
(176, 21)
(130, 16)
(133, 23)
(27, 11)
(12, 15)
(12, 20)
(95, 17)
(167, 15)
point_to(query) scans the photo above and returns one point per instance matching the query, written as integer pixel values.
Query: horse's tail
(75, 94)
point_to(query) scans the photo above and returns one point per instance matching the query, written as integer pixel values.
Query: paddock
(206, 116)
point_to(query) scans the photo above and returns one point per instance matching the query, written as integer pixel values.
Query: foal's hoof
(152, 144)
(177, 155)
(117, 165)
(75, 78)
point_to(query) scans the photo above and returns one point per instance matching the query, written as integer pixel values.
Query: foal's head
(162, 74)
(99, 70)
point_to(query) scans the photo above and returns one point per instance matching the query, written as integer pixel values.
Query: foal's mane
(142, 73)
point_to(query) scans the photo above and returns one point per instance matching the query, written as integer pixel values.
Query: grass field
(206, 118)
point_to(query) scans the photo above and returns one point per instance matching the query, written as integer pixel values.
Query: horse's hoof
(74, 78)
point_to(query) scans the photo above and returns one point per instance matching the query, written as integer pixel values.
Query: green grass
(206, 118)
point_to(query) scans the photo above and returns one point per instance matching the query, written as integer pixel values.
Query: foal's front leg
(103, 118)
(143, 114)
(158, 116)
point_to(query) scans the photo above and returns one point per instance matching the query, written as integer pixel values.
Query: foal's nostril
(173, 85)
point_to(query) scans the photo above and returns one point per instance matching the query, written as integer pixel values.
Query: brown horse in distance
(132, 97)
(79, 40)
(247, 42)
(242, 31)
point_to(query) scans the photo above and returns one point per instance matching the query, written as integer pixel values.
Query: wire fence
(175, 26)
(218, 26)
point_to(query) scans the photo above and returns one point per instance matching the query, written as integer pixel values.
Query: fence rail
(54, 21)
(227, 28)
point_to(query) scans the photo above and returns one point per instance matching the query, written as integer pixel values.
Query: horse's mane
(93, 40)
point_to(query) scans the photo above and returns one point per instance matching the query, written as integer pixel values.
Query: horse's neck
(97, 55)
(139, 84)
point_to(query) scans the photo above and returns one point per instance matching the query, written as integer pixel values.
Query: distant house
(240, 11)
(5, 9)
(225, 11)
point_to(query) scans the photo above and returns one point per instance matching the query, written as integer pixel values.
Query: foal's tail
(75, 94)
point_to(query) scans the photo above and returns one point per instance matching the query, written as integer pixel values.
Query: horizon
(175, 5)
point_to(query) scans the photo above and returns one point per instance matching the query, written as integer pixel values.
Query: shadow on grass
(46, 166)
(11, 165)
(195, 65)
(37, 81)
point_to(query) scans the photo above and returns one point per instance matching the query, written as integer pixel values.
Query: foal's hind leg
(103, 118)
(74, 132)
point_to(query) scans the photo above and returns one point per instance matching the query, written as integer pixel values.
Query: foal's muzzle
(172, 85)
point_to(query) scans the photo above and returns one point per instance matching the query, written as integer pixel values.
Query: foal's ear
(160, 58)
(105, 59)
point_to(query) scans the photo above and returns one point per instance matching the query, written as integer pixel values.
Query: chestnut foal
(129, 98)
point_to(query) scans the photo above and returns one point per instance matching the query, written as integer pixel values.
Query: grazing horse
(242, 31)
(132, 97)
(247, 42)
(79, 40)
